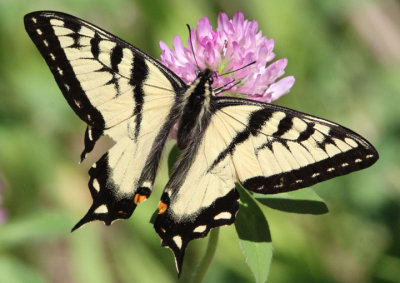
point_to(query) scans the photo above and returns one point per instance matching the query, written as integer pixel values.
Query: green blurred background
(345, 56)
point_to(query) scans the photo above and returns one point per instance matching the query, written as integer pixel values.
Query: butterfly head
(204, 81)
(206, 75)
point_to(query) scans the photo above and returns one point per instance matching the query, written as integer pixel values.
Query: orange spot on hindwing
(162, 207)
(139, 198)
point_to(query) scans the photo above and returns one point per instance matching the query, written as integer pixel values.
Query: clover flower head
(239, 54)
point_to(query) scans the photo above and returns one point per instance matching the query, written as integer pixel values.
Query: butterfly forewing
(276, 149)
(96, 71)
(117, 90)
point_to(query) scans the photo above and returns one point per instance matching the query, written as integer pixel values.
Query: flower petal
(281, 87)
(236, 49)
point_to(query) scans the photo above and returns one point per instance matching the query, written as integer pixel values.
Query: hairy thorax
(197, 110)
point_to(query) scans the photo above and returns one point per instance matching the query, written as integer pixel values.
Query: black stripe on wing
(138, 75)
(41, 28)
(42, 34)
(359, 153)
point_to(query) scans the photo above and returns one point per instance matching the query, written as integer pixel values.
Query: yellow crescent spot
(139, 198)
(162, 207)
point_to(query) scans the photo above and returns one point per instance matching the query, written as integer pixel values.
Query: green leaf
(173, 158)
(154, 216)
(304, 201)
(254, 236)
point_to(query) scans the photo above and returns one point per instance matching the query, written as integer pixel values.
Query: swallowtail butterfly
(120, 91)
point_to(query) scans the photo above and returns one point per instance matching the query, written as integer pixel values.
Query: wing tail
(176, 233)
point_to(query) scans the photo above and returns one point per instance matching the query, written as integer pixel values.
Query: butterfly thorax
(197, 108)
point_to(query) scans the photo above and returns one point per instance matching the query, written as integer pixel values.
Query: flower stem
(208, 256)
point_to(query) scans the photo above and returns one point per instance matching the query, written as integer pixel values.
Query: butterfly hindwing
(268, 148)
(197, 199)
(124, 176)
(118, 91)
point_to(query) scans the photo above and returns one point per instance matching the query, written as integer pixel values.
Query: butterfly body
(122, 92)
(196, 109)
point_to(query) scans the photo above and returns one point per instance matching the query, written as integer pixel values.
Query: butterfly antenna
(191, 45)
(241, 68)
(221, 88)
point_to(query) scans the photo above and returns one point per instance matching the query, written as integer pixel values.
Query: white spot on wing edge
(223, 215)
(34, 20)
(178, 241)
(358, 160)
(39, 32)
(46, 43)
(315, 175)
(90, 136)
(77, 103)
(101, 209)
(52, 56)
(200, 229)
(95, 183)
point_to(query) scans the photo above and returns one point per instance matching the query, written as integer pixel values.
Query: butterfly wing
(275, 149)
(197, 199)
(117, 90)
(269, 149)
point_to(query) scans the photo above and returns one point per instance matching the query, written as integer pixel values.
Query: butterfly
(124, 93)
